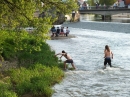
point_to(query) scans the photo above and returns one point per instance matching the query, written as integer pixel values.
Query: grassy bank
(36, 72)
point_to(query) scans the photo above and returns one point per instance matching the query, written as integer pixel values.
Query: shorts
(107, 60)
(69, 61)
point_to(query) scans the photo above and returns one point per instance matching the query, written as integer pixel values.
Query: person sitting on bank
(57, 31)
(62, 31)
(67, 31)
(107, 55)
(68, 57)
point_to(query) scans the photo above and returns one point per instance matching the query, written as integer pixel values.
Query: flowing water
(122, 18)
(87, 51)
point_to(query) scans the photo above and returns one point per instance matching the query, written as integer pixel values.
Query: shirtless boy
(68, 57)
(107, 55)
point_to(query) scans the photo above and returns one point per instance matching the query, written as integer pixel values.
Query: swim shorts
(69, 61)
(107, 60)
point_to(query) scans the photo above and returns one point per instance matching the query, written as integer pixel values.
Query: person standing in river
(107, 55)
(68, 57)
(57, 31)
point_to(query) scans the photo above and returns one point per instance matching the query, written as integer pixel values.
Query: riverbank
(34, 73)
(102, 26)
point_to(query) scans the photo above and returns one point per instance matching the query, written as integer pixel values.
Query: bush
(37, 80)
(38, 68)
(5, 90)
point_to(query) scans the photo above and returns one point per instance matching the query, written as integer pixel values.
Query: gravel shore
(103, 26)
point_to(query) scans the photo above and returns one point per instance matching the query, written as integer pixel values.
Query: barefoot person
(68, 57)
(107, 55)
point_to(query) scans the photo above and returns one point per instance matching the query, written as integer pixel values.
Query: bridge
(104, 10)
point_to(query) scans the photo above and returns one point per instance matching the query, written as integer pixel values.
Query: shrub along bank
(37, 69)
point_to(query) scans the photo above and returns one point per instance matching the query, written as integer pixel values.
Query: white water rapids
(87, 51)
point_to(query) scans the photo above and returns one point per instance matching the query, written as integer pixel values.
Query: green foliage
(30, 48)
(43, 67)
(6, 45)
(107, 2)
(44, 56)
(8, 49)
(14, 42)
(4, 86)
(91, 2)
(5, 90)
(8, 93)
(37, 80)
(102, 2)
(17, 13)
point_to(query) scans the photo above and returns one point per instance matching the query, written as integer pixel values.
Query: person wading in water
(107, 55)
(68, 57)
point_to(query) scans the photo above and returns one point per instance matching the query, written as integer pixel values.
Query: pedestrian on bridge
(114, 6)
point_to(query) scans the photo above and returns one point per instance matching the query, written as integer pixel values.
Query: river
(87, 51)
(120, 18)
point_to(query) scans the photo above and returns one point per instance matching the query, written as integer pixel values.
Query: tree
(20, 13)
(107, 2)
(91, 2)
(15, 15)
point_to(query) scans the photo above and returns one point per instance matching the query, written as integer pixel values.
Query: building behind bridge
(127, 2)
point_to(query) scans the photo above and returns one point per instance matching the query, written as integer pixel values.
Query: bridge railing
(94, 7)
(100, 7)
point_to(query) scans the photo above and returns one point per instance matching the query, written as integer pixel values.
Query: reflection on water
(90, 17)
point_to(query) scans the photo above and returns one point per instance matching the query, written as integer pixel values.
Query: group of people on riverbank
(63, 31)
(108, 55)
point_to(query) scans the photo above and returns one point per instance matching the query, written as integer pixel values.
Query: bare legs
(71, 64)
(65, 65)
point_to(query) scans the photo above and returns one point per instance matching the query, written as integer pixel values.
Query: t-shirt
(64, 30)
